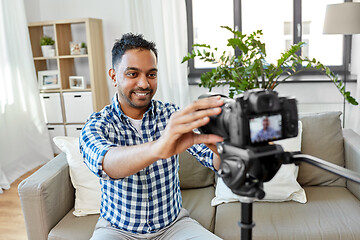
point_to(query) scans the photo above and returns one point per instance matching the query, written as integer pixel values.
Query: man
(132, 146)
(267, 132)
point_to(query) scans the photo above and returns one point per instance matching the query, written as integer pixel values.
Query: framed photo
(77, 82)
(74, 48)
(49, 79)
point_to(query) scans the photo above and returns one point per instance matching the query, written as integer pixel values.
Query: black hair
(130, 41)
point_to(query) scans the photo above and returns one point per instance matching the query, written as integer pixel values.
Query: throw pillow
(322, 138)
(282, 187)
(192, 174)
(86, 184)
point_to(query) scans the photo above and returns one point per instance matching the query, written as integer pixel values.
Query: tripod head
(245, 170)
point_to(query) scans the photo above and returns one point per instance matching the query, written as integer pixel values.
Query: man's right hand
(179, 135)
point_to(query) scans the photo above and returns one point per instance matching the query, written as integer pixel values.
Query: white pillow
(282, 187)
(86, 184)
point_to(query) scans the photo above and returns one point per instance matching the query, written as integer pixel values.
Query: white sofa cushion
(86, 184)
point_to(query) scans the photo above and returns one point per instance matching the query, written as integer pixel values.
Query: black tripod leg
(246, 223)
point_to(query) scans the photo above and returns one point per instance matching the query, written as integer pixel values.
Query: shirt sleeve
(94, 144)
(203, 154)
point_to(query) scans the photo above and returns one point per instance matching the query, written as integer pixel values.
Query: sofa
(332, 209)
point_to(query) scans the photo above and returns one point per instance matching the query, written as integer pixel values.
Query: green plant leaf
(244, 71)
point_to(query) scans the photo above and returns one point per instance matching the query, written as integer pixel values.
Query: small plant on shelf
(46, 41)
(83, 48)
(47, 46)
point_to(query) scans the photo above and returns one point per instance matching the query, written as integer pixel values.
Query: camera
(248, 124)
(255, 118)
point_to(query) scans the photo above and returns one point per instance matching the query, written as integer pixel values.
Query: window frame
(297, 21)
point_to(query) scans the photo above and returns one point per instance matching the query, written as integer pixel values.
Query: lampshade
(343, 18)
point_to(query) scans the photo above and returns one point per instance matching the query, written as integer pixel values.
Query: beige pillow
(322, 138)
(192, 174)
(86, 184)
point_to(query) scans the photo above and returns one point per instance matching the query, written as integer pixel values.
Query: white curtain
(24, 139)
(164, 22)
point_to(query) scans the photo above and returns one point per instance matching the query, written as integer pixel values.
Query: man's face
(135, 78)
(266, 123)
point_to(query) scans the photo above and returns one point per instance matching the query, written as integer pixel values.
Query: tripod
(244, 170)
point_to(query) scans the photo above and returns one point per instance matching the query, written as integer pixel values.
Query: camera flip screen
(265, 128)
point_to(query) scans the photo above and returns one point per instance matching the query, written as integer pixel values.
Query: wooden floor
(12, 225)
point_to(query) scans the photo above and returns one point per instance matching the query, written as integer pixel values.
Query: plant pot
(83, 51)
(46, 50)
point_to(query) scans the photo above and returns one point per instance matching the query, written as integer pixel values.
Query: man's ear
(112, 75)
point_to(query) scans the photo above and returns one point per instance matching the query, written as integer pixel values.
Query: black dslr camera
(247, 124)
(254, 119)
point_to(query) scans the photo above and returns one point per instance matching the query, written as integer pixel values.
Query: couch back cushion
(192, 174)
(322, 138)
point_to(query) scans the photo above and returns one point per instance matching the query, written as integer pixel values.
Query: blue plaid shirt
(150, 199)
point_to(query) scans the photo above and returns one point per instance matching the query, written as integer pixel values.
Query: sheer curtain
(164, 22)
(24, 139)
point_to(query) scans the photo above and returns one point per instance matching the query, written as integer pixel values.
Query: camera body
(255, 118)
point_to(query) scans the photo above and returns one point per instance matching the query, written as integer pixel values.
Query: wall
(312, 97)
(112, 12)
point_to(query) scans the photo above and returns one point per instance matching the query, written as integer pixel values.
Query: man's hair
(130, 41)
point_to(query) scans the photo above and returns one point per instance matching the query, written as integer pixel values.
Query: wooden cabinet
(90, 66)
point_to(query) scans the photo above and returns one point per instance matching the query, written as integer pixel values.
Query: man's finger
(196, 116)
(205, 103)
(207, 138)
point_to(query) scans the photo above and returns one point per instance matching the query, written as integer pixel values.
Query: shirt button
(147, 172)
(150, 198)
(149, 221)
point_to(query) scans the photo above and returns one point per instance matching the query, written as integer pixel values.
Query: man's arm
(120, 162)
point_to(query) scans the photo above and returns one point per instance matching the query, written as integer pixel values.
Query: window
(283, 23)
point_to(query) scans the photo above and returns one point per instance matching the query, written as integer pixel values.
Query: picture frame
(75, 48)
(48, 79)
(77, 82)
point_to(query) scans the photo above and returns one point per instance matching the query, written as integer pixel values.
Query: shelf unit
(91, 66)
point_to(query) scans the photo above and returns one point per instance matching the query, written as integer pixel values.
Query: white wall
(311, 97)
(114, 14)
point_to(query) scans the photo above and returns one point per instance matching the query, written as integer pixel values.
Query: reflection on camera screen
(265, 128)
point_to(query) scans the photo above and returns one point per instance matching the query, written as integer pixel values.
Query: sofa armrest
(46, 196)
(352, 157)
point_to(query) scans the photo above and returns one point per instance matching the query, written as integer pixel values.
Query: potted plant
(47, 46)
(251, 70)
(83, 48)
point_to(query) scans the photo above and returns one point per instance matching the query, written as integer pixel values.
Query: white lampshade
(343, 18)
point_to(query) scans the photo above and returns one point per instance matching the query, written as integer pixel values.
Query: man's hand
(179, 135)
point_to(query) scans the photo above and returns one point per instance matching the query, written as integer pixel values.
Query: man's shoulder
(106, 114)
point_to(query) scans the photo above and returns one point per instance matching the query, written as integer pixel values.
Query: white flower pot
(46, 50)
(83, 51)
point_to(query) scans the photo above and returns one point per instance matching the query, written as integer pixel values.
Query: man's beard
(132, 103)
